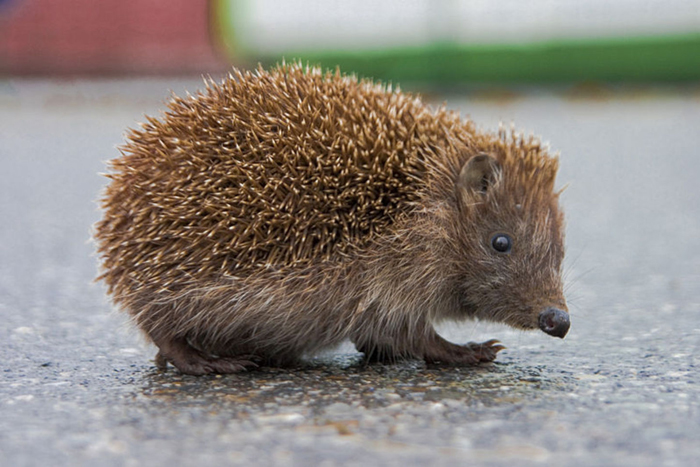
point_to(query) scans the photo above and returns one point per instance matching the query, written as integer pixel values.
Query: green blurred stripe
(629, 59)
(660, 58)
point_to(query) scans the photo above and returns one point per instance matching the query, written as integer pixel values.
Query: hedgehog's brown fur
(280, 212)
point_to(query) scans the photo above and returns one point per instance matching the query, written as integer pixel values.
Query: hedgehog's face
(511, 245)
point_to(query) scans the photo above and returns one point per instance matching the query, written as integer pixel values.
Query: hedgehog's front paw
(485, 352)
(442, 351)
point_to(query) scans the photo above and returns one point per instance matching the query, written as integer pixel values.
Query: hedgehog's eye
(502, 243)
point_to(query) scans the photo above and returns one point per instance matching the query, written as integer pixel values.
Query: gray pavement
(78, 387)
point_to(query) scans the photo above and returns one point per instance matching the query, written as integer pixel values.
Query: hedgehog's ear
(478, 175)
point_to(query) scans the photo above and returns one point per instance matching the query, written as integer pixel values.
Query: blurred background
(423, 41)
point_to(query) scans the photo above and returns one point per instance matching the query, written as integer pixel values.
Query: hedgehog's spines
(269, 120)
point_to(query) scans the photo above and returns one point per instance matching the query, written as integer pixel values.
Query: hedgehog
(278, 213)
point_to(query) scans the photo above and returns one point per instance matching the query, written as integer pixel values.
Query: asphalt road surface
(78, 385)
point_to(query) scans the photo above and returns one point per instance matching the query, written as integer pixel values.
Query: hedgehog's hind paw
(204, 365)
(226, 365)
(191, 361)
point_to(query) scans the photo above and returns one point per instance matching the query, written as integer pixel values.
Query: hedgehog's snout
(554, 322)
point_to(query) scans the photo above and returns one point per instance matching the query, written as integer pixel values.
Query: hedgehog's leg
(383, 349)
(438, 350)
(191, 361)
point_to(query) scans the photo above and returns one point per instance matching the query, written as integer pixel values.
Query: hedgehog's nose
(555, 322)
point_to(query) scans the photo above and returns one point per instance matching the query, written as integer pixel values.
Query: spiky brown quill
(278, 213)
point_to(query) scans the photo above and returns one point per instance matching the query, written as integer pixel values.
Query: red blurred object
(77, 37)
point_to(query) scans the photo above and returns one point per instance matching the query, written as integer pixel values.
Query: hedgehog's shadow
(349, 379)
